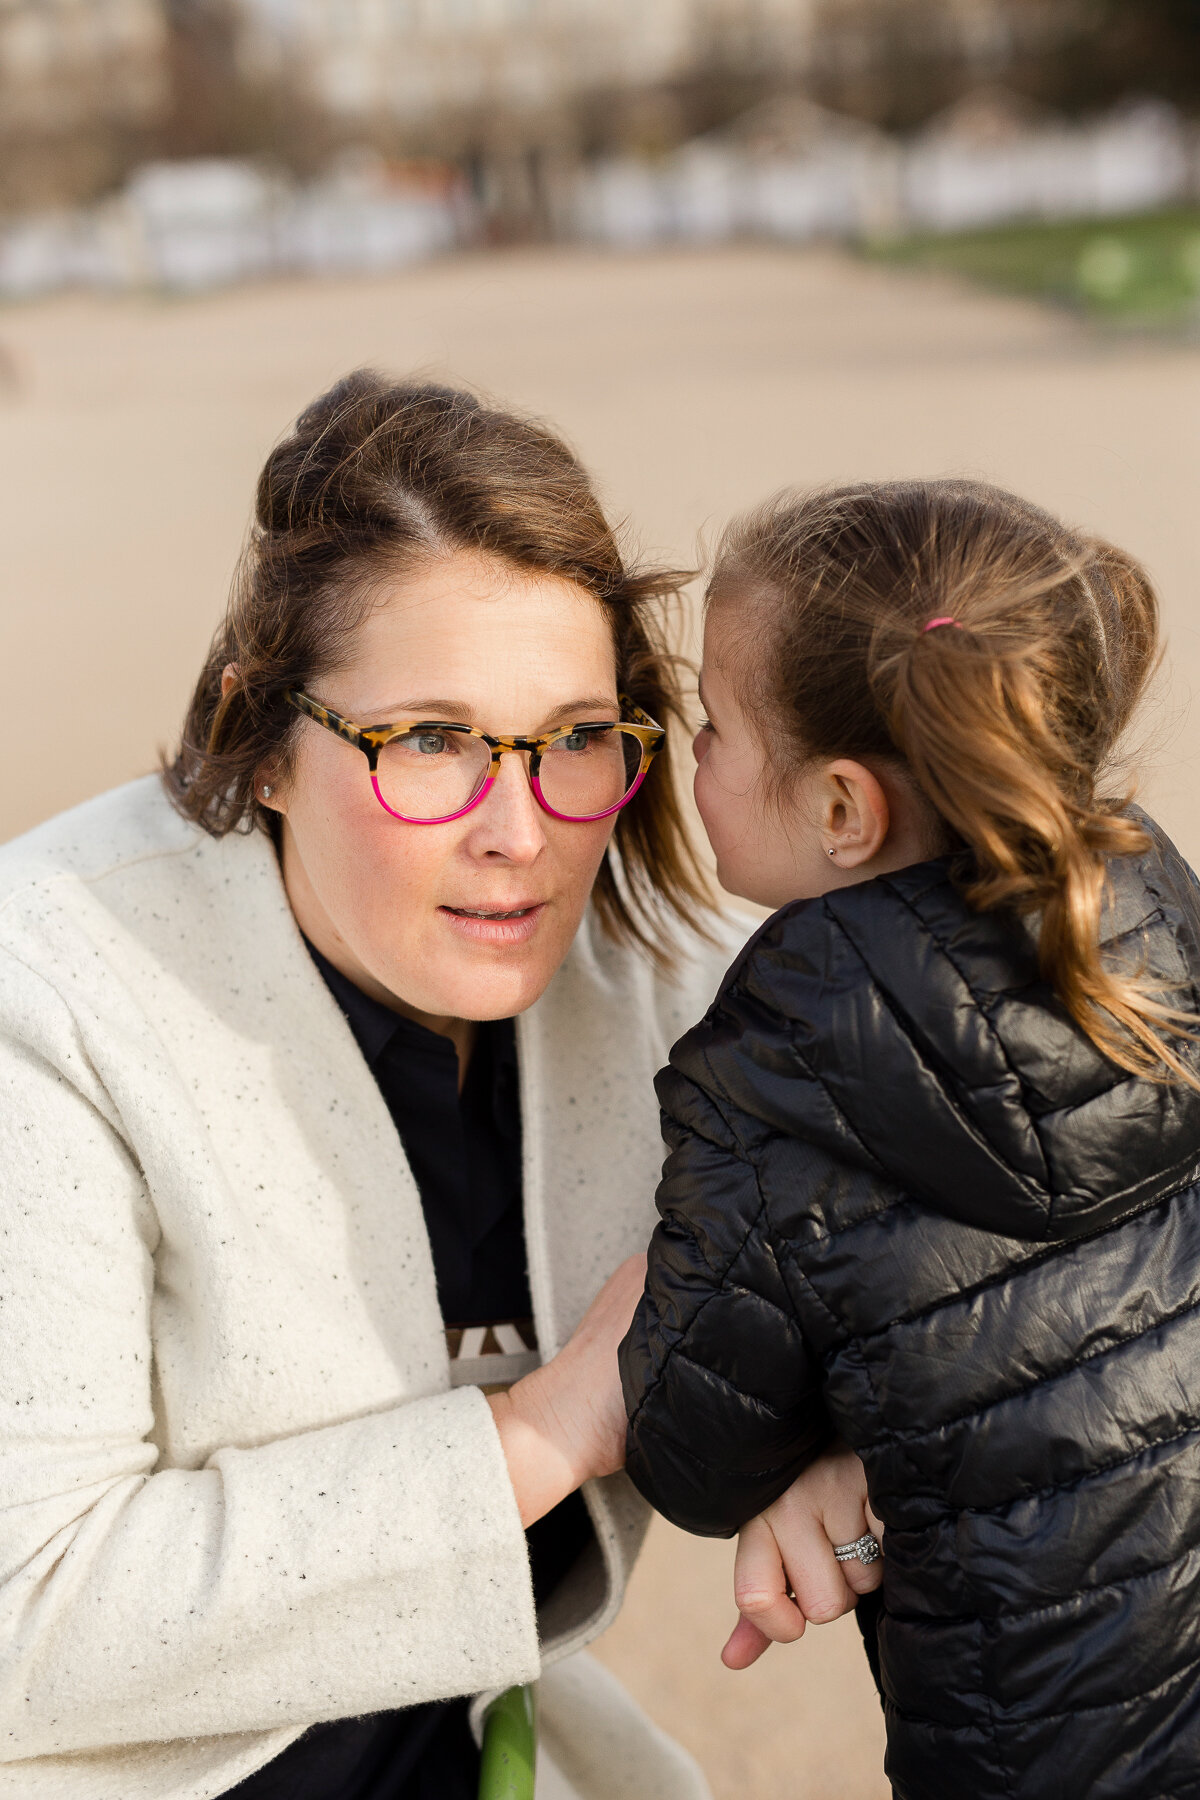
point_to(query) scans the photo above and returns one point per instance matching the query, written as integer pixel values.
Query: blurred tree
(897, 62)
(82, 88)
(216, 109)
(1148, 46)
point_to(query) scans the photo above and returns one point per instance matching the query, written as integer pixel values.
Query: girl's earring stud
(269, 790)
(832, 851)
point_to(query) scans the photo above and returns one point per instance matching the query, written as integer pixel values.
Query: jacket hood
(929, 1048)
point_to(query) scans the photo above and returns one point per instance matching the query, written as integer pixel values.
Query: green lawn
(1141, 270)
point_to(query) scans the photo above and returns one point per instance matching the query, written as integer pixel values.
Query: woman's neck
(462, 1033)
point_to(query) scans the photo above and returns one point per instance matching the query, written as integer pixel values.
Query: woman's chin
(494, 968)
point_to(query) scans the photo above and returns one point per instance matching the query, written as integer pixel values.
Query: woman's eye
(590, 737)
(430, 743)
(705, 725)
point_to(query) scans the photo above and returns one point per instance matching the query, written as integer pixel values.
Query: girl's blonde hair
(1007, 718)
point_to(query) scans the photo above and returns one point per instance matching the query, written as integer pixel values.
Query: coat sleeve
(372, 1563)
(722, 1390)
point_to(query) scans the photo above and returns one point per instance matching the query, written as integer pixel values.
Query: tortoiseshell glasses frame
(372, 739)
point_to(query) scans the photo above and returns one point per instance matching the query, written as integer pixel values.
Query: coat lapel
(588, 1050)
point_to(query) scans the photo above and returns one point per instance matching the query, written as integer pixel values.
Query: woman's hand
(566, 1422)
(790, 1548)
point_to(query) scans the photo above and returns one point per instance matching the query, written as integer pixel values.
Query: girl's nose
(509, 823)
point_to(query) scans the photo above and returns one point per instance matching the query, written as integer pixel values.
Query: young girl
(934, 1172)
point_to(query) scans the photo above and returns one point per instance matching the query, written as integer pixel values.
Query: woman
(285, 1187)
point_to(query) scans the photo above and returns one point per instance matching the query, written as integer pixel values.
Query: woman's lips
(512, 925)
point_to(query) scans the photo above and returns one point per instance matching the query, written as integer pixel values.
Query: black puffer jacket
(907, 1201)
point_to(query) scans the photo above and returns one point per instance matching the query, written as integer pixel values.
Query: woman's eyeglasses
(432, 771)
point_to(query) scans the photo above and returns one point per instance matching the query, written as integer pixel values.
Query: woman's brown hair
(1006, 715)
(376, 476)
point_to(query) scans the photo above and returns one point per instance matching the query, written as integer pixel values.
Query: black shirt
(465, 1154)
(464, 1149)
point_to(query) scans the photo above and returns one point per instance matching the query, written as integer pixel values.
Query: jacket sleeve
(722, 1391)
(372, 1563)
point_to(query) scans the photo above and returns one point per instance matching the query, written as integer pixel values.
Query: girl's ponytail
(1001, 656)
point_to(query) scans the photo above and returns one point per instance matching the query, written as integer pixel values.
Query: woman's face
(468, 919)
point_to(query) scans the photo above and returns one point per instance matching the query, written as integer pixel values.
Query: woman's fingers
(817, 1578)
(565, 1422)
(825, 1506)
(786, 1571)
(760, 1592)
(746, 1644)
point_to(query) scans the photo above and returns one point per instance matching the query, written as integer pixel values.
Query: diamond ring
(865, 1549)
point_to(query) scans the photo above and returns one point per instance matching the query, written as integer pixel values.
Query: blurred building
(517, 92)
(624, 121)
(521, 92)
(77, 79)
(415, 61)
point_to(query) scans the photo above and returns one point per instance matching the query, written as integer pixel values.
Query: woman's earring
(832, 851)
(269, 790)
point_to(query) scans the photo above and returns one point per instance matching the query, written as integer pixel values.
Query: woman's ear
(856, 818)
(266, 787)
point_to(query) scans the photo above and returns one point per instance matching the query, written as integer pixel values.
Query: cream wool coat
(237, 1495)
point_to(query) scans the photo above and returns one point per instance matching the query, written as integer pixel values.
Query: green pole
(509, 1747)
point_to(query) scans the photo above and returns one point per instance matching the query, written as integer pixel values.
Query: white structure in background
(201, 224)
(788, 170)
(47, 251)
(992, 158)
(411, 60)
(67, 65)
(362, 219)
(806, 172)
(190, 226)
(792, 171)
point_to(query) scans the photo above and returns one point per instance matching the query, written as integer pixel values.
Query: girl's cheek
(708, 796)
(701, 744)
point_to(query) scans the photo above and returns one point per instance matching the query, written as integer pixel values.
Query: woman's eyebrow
(460, 711)
(605, 703)
(427, 709)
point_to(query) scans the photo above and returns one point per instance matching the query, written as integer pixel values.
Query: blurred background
(724, 245)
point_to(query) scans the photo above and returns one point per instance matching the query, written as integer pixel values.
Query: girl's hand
(790, 1548)
(566, 1422)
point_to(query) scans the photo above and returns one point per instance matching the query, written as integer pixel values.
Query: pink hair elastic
(934, 623)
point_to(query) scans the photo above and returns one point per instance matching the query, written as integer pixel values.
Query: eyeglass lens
(430, 774)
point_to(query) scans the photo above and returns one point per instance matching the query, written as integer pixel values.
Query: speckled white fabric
(237, 1494)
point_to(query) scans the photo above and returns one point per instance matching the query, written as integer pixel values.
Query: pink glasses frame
(370, 739)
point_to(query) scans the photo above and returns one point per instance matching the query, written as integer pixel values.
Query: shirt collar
(376, 1026)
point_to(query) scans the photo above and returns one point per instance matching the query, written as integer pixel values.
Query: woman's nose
(509, 823)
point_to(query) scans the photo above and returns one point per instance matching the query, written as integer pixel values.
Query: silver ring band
(864, 1549)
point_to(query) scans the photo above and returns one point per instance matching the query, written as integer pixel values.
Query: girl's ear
(856, 818)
